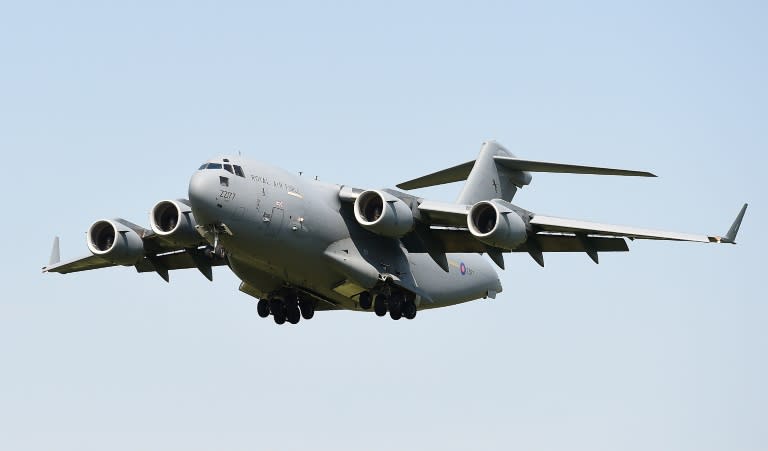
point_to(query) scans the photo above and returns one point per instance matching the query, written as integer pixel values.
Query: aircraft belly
(470, 277)
(281, 239)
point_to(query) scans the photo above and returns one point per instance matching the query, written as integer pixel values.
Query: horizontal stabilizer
(516, 164)
(450, 175)
(461, 172)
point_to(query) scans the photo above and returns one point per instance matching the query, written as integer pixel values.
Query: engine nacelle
(383, 214)
(115, 242)
(173, 220)
(495, 224)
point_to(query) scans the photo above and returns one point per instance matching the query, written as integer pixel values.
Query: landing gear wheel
(409, 310)
(262, 308)
(380, 306)
(292, 313)
(396, 306)
(307, 309)
(277, 307)
(365, 300)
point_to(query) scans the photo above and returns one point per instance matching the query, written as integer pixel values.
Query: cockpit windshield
(231, 168)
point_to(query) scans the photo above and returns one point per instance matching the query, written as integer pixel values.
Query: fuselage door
(275, 221)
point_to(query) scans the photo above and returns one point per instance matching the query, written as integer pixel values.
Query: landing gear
(399, 304)
(409, 309)
(292, 313)
(366, 300)
(380, 306)
(307, 309)
(263, 308)
(289, 307)
(396, 306)
(277, 308)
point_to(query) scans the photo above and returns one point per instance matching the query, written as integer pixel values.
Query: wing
(447, 233)
(571, 226)
(442, 228)
(160, 255)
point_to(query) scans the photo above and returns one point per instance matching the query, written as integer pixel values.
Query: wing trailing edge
(550, 224)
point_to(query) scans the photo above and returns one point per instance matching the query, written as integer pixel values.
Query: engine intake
(383, 214)
(173, 220)
(115, 242)
(495, 224)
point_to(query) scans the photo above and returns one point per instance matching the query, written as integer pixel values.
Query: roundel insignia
(463, 268)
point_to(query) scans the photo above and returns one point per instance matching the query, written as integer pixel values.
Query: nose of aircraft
(203, 189)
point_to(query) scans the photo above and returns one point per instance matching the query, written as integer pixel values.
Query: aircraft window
(239, 171)
(228, 168)
(214, 165)
(202, 167)
(226, 160)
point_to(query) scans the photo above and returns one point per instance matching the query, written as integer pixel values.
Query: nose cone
(203, 189)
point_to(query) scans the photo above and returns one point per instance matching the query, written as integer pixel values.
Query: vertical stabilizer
(489, 180)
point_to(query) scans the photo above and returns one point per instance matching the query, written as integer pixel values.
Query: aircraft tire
(396, 303)
(292, 313)
(395, 309)
(380, 305)
(262, 308)
(277, 307)
(366, 300)
(409, 310)
(307, 309)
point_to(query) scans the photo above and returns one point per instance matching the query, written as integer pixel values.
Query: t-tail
(497, 174)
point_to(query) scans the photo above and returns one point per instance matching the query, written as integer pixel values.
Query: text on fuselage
(274, 183)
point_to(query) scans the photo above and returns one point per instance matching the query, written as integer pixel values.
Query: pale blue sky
(108, 107)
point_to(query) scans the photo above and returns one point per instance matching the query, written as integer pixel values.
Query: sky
(108, 107)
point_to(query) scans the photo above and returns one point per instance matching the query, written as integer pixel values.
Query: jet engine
(173, 220)
(115, 242)
(383, 214)
(495, 224)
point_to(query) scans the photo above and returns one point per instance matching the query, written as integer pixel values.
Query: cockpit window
(239, 171)
(228, 168)
(202, 167)
(214, 165)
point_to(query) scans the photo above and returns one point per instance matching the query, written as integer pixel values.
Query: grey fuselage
(281, 229)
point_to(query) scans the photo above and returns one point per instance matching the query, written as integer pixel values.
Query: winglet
(730, 237)
(55, 253)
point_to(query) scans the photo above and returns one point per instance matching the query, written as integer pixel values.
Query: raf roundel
(463, 268)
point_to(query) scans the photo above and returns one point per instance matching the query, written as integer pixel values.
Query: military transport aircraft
(301, 245)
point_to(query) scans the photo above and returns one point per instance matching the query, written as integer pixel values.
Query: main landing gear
(290, 308)
(398, 303)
